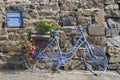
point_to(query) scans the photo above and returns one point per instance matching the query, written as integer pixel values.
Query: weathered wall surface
(67, 13)
(112, 32)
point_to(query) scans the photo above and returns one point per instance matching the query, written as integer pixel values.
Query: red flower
(33, 56)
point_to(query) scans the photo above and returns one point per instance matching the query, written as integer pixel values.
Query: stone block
(55, 7)
(113, 66)
(14, 0)
(44, 1)
(15, 8)
(10, 48)
(3, 32)
(113, 41)
(69, 6)
(109, 1)
(113, 13)
(67, 21)
(81, 20)
(112, 32)
(96, 30)
(97, 40)
(14, 37)
(87, 12)
(31, 6)
(118, 1)
(113, 50)
(114, 58)
(1, 48)
(90, 4)
(46, 13)
(13, 53)
(3, 37)
(54, 1)
(68, 29)
(113, 23)
(45, 6)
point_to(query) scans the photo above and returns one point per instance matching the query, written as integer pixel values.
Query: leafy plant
(43, 27)
(30, 47)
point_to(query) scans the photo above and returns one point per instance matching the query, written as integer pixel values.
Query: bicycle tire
(38, 66)
(97, 62)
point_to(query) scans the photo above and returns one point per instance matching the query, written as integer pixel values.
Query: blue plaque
(14, 19)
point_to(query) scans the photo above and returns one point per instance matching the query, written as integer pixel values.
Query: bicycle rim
(95, 59)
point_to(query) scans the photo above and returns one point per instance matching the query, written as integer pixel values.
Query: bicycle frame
(63, 59)
(93, 62)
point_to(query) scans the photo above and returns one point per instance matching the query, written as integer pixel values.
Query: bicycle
(53, 57)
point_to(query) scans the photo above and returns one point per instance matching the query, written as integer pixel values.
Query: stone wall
(68, 13)
(112, 32)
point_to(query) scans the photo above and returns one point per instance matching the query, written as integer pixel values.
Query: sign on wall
(14, 19)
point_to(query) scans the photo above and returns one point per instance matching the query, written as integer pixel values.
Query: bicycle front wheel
(95, 59)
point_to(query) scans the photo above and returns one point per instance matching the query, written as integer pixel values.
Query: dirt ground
(63, 75)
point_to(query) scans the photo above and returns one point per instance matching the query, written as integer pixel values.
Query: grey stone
(98, 30)
(113, 23)
(3, 32)
(44, 1)
(114, 41)
(89, 4)
(11, 43)
(69, 6)
(1, 48)
(3, 37)
(113, 66)
(113, 14)
(14, 1)
(14, 37)
(32, 6)
(26, 16)
(25, 30)
(112, 32)
(45, 6)
(87, 12)
(97, 40)
(115, 58)
(15, 8)
(81, 20)
(67, 21)
(117, 1)
(46, 13)
(109, 1)
(55, 7)
(54, 1)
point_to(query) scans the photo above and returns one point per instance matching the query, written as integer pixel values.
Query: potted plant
(44, 27)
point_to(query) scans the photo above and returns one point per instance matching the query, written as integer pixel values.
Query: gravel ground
(63, 75)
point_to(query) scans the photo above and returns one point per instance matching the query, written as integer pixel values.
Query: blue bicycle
(53, 58)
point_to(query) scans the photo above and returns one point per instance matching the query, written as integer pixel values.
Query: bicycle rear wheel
(95, 59)
(38, 65)
(41, 63)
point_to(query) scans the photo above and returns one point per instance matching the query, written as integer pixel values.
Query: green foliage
(43, 26)
(29, 46)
